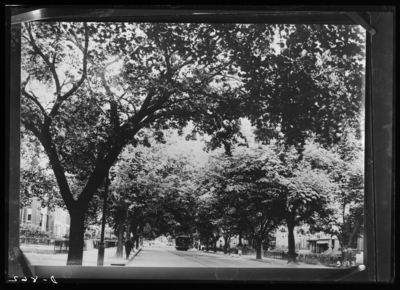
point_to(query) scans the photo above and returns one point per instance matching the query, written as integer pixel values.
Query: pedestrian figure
(244, 248)
(292, 258)
(240, 247)
(128, 247)
(289, 258)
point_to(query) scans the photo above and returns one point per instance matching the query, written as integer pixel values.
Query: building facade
(234, 241)
(320, 243)
(57, 221)
(34, 214)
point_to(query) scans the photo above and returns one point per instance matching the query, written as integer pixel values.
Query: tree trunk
(76, 238)
(120, 244)
(346, 248)
(215, 244)
(137, 241)
(226, 245)
(240, 238)
(139, 235)
(344, 253)
(351, 236)
(259, 248)
(128, 227)
(128, 232)
(292, 251)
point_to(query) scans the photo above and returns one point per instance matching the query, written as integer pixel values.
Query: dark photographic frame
(379, 161)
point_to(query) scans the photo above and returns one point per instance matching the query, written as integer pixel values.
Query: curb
(285, 264)
(226, 255)
(39, 252)
(229, 255)
(265, 261)
(134, 255)
(252, 259)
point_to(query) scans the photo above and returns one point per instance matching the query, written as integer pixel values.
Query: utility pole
(100, 257)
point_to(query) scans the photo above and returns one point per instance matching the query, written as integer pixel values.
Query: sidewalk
(89, 258)
(38, 249)
(267, 260)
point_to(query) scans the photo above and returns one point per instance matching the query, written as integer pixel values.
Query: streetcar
(182, 243)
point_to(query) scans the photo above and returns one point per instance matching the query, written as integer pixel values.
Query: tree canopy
(89, 90)
(344, 216)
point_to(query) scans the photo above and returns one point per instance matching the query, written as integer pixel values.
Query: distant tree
(305, 190)
(207, 221)
(247, 184)
(152, 188)
(270, 184)
(345, 212)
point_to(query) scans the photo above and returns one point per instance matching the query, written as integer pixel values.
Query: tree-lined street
(278, 109)
(167, 256)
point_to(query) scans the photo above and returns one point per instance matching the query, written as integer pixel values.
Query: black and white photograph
(169, 145)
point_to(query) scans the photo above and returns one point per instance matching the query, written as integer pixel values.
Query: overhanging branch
(61, 99)
(45, 58)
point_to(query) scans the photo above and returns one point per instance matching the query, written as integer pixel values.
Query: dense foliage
(28, 230)
(90, 90)
(344, 217)
(261, 187)
(151, 191)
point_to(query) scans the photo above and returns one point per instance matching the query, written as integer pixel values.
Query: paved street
(168, 256)
(89, 258)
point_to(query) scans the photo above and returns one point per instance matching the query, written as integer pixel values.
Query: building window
(29, 217)
(353, 244)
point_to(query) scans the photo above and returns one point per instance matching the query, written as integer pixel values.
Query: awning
(322, 242)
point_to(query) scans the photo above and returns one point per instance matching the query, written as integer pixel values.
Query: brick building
(57, 221)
